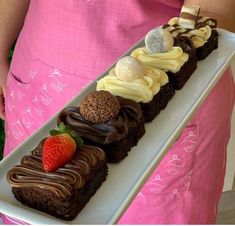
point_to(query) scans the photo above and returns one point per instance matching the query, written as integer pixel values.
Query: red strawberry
(59, 148)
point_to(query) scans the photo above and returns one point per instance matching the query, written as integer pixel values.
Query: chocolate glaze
(64, 180)
(103, 133)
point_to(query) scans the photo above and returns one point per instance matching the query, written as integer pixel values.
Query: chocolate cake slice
(114, 124)
(148, 86)
(178, 79)
(175, 56)
(62, 193)
(209, 46)
(158, 103)
(203, 35)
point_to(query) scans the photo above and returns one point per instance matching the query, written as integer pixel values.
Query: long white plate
(126, 178)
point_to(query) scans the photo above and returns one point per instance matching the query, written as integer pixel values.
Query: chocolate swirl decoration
(176, 30)
(198, 36)
(203, 21)
(61, 182)
(103, 133)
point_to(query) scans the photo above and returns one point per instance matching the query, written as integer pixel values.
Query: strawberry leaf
(54, 132)
(62, 127)
(66, 129)
(78, 140)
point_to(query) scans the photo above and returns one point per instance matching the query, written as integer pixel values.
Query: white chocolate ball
(159, 41)
(129, 68)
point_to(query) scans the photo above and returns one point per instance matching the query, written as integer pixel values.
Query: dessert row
(66, 168)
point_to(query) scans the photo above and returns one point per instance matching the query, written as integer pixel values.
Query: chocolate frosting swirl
(103, 133)
(64, 180)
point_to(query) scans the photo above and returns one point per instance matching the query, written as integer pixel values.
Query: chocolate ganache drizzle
(103, 133)
(64, 180)
(199, 35)
(203, 21)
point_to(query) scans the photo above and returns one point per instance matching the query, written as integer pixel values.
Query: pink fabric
(64, 45)
(91, 34)
(186, 186)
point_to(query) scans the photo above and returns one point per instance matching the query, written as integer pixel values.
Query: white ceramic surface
(126, 178)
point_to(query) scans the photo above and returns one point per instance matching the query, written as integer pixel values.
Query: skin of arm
(12, 17)
(223, 11)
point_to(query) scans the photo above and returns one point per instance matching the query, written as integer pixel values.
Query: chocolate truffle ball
(99, 107)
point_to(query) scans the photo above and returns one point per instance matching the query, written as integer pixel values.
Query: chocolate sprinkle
(99, 106)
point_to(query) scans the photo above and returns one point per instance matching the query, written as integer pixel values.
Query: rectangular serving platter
(126, 178)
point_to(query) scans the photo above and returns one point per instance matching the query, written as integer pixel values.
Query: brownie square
(62, 193)
(158, 103)
(117, 151)
(115, 136)
(209, 46)
(179, 78)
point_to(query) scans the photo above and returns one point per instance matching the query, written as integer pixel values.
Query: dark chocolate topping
(185, 43)
(103, 133)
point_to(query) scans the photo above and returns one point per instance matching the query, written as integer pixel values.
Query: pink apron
(64, 45)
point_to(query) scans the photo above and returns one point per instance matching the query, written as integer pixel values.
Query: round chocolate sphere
(99, 107)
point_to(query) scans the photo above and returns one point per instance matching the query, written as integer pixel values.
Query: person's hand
(4, 68)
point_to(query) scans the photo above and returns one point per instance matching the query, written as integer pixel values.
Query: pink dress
(64, 45)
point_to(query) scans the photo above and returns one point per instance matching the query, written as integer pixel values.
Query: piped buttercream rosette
(133, 80)
(159, 51)
(191, 25)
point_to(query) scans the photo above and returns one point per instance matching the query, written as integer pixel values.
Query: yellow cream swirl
(140, 90)
(172, 60)
(198, 36)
